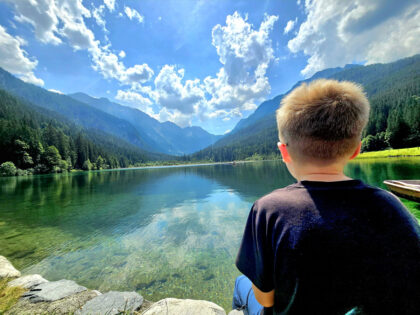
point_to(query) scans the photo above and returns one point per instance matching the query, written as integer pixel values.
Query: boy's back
(326, 247)
(328, 243)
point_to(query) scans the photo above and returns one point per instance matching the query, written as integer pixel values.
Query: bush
(375, 143)
(8, 169)
(41, 169)
(63, 165)
(20, 172)
(87, 165)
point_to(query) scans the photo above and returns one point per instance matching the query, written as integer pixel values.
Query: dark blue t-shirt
(327, 247)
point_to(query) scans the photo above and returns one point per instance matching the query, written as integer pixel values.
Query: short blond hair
(324, 119)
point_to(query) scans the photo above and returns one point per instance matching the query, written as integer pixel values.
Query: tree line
(35, 140)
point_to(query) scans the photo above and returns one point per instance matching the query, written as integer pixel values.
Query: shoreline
(32, 294)
(391, 153)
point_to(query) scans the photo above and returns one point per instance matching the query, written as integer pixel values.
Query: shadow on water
(162, 231)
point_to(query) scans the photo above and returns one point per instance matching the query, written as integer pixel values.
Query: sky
(197, 62)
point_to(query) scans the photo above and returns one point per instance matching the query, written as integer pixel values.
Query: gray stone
(238, 312)
(53, 291)
(111, 303)
(172, 306)
(27, 282)
(7, 270)
(67, 305)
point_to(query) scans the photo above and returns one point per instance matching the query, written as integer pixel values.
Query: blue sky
(205, 63)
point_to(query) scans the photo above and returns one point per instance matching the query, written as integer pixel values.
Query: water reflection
(163, 232)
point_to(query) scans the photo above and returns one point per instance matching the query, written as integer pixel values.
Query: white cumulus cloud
(290, 26)
(53, 21)
(245, 54)
(15, 60)
(172, 93)
(110, 4)
(337, 32)
(98, 15)
(137, 74)
(139, 101)
(55, 91)
(133, 14)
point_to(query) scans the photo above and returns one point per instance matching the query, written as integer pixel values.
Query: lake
(164, 232)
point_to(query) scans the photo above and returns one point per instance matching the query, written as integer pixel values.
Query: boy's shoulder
(299, 197)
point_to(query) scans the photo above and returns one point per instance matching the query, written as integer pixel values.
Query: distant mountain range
(164, 137)
(129, 124)
(390, 88)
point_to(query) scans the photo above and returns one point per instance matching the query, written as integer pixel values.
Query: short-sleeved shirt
(327, 247)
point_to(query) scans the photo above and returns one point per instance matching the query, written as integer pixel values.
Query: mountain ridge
(258, 133)
(167, 136)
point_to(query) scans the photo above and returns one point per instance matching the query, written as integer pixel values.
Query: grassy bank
(8, 295)
(391, 153)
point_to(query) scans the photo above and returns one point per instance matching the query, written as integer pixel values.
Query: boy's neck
(327, 173)
(324, 177)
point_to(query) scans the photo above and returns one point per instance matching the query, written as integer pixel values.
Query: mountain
(77, 112)
(164, 137)
(40, 140)
(393, 90)
(270, 106)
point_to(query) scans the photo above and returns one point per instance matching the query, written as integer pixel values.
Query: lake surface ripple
(164, 232)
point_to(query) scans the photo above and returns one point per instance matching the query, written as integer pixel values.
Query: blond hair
(323, 119)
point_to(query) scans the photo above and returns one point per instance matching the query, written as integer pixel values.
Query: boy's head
(323, 121)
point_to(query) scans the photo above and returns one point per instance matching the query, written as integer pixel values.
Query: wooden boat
(409, 189)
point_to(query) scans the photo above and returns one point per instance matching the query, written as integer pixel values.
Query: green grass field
(391, 153)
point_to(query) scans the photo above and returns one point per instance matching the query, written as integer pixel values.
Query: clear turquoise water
(160, 231)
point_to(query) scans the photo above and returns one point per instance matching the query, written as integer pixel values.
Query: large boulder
(53, 291)
(111, 303)
(27, 282)
(7, 270)
(171, 306)
(67, 305)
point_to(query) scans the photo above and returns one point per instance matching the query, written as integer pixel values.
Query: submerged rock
(67, 305)
(7, 270)
(172, 306)
(52, 291)
(111, 303)
(27, 282)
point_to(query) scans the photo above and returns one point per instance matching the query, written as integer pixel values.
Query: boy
(327, 244)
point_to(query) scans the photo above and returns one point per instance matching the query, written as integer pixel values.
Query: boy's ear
(284, 153)
(357, 151)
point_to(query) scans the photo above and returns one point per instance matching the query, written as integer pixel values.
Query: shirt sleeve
(255, 257)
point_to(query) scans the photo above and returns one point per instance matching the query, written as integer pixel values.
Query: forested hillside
(36, 140)
(393, 90)
(75, 111)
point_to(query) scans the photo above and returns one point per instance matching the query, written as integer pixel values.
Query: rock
(172, 306)
(111, 303)
(53, 291)
(238, 312)
(67, 305)
(7, 270)
(144, 306)
(27, 282)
